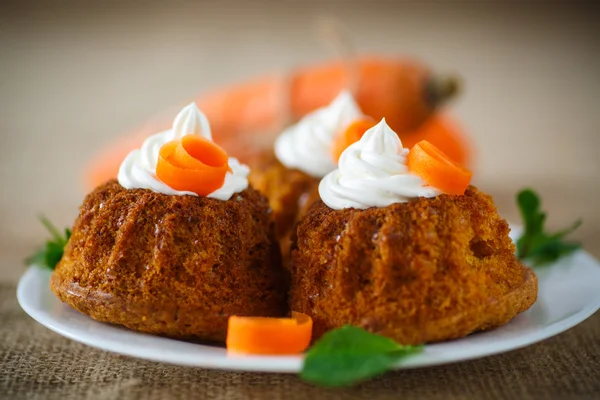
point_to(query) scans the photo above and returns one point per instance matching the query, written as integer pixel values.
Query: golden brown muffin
(425, 271)
(291, 192)
(172, 265)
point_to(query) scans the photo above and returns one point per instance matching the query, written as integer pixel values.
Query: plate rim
(282, 364)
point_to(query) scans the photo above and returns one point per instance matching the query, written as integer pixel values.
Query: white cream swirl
(373, 173)
(306, 146)
(138, 170)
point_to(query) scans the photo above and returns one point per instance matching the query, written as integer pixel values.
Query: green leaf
(53, 250)
(535, 244)
(529, 204)
(349, 354)
(561, 234)
(552, 251)
(50, 227)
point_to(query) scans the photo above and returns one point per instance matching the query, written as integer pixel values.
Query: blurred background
(76, 75)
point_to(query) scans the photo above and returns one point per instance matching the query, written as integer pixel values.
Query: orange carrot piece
(437, 170)
(350, 135)
(192, 164)
(245, 117)
(440, 130)
(262, 335)
(444, 133)
(387, 87)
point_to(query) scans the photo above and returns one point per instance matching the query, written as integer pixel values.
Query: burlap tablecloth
(75, 74)
(37, 363)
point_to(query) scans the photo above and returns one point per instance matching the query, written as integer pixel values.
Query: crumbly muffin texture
(424, 271)
(172, 265)
(291, 192)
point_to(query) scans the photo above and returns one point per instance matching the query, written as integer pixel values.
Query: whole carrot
(246, 117)
(441, 131)
(405, 92)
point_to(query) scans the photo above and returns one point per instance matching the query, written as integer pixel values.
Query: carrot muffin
(387, 251)
(302, 155)
(177, 245)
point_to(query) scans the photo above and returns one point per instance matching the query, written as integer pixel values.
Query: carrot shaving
(350, 135)
(192, 164)
(262, 335)
(437, 170)
(443, 132)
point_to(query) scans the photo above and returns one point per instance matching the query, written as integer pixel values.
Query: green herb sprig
(349, 355)
(535, 244)
(49, 255)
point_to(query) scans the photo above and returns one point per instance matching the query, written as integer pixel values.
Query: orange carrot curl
(437, 170)
(245, 118)
(262, 335)
(192, 164)
(443, 132)
(351, 134)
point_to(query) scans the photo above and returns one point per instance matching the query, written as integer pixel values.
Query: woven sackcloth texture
(36, 363)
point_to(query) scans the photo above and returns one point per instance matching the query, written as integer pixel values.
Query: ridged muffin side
(291, 192)
(424, 271)
(172, 265)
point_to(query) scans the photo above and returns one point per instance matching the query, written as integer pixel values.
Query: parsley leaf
(535, 244)
(52, 252)
(349, 354)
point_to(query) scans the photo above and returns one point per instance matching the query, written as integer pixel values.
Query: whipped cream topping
(373, 173)
(138, 170)
(306, 146)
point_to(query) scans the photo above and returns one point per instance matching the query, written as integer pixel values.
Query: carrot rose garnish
(192, 164)
(437, 170)
(350, 135)
(262, 335)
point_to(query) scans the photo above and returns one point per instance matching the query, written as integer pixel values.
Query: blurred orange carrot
(350, 135)
(246, 117)
(441, 131)
(437, 130)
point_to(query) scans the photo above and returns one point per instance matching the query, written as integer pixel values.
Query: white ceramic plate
(568, 294)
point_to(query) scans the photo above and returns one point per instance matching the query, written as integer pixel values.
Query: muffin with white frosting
(389, 251)
(178, 244)
(302, 155)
